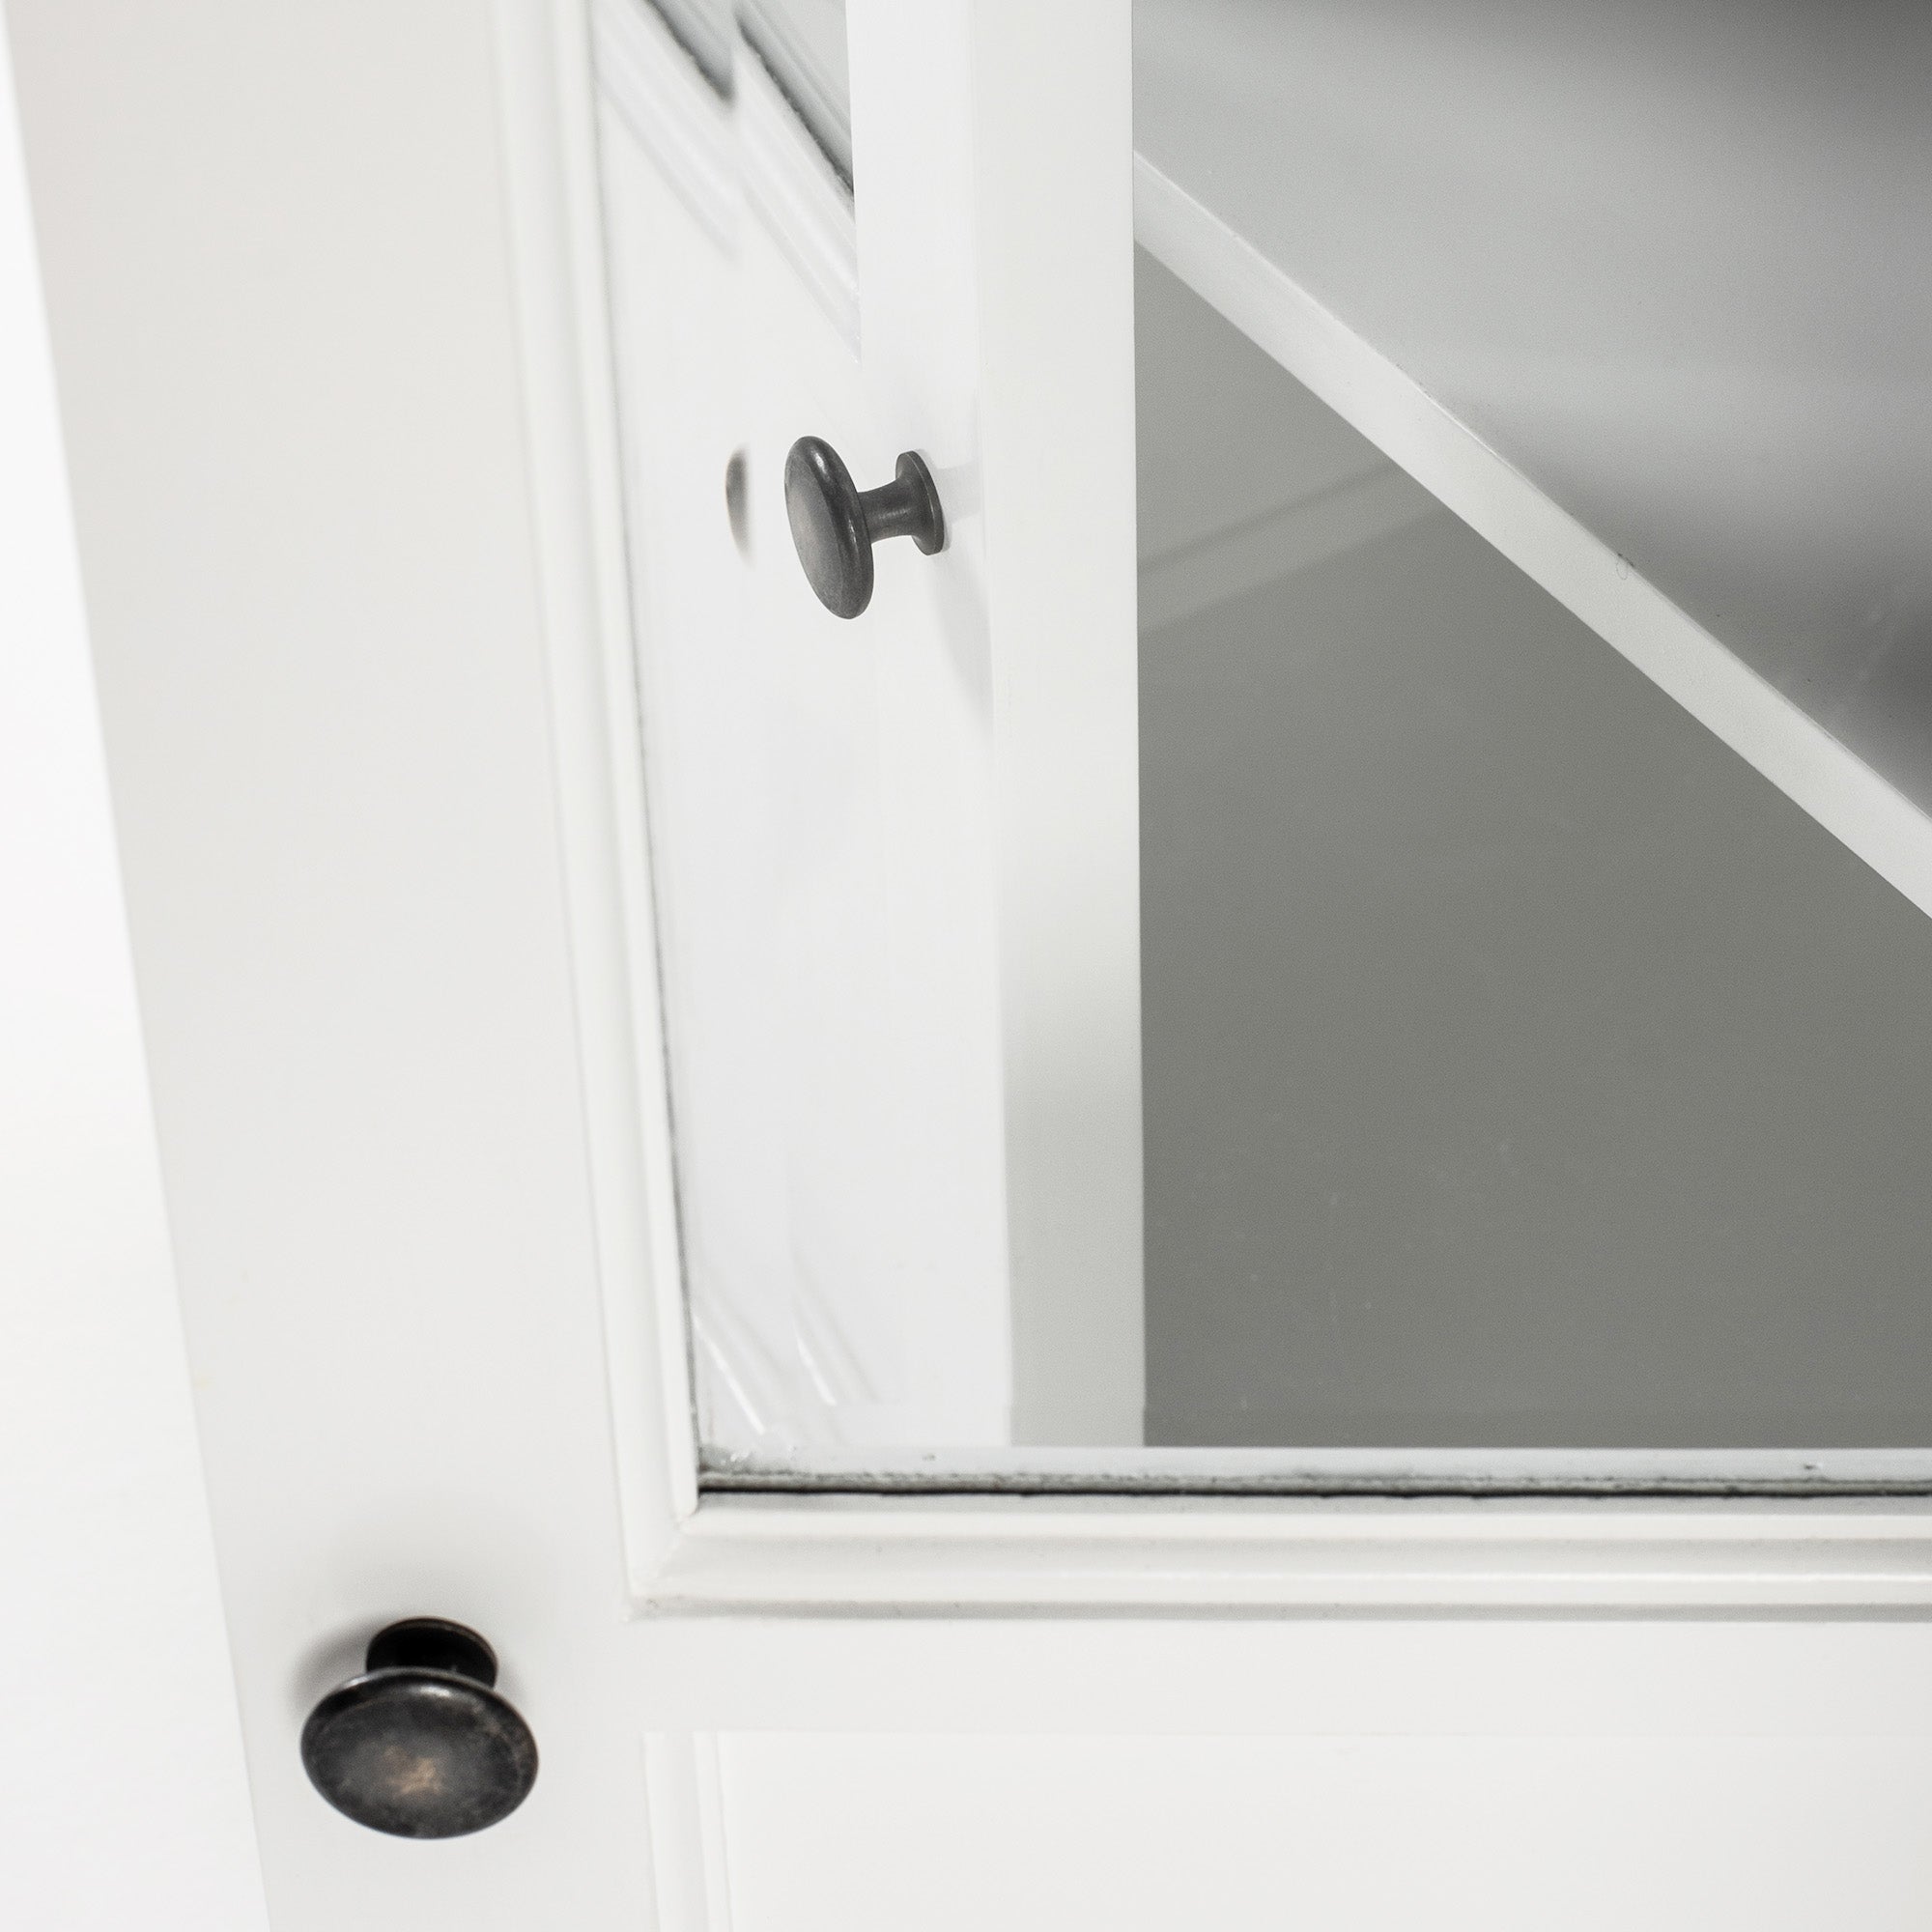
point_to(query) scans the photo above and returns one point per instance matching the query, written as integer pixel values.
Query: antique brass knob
(421, 1744)
(834, 526)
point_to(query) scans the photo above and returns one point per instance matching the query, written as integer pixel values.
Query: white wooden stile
(997, 325)
(325, 623)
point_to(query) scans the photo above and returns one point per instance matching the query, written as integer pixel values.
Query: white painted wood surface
(122, 1788)
(1643, 295)
(279, 270)
(1479, 1834)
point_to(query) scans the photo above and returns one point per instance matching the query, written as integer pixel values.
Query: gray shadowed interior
(1520, 1067)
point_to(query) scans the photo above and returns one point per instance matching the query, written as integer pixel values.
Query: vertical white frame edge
(1054, 249)
(995, 229)
(576, 484)
(549, 100)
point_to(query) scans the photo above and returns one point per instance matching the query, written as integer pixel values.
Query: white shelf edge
(1770, 733)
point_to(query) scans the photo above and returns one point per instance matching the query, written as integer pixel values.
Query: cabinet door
(342, 397)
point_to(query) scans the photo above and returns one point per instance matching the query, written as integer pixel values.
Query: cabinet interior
(1644, 291)
(1521, 1067)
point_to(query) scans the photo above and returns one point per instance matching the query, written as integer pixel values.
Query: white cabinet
(657, 1083)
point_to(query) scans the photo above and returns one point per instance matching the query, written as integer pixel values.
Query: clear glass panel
(1531, 1091)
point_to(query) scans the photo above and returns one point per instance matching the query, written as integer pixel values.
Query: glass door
(1527, 1082)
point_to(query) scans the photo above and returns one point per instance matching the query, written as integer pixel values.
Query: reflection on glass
(1521, 1071)
(704, 29)
(802, 43)
(1521, 1068)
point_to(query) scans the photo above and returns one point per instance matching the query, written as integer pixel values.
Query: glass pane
(1531, 1091)
(1521, 1068)
(802, 43)
(704, 29)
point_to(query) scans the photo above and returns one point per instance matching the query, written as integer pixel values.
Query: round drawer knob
(421, 1744)
(834, 526)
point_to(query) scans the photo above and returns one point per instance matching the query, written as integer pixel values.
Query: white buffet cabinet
(1218, 1217)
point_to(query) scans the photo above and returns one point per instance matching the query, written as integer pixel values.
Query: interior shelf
(1644, 293)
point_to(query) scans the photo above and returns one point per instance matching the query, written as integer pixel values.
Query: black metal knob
(835, 528)
(421, 1744)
